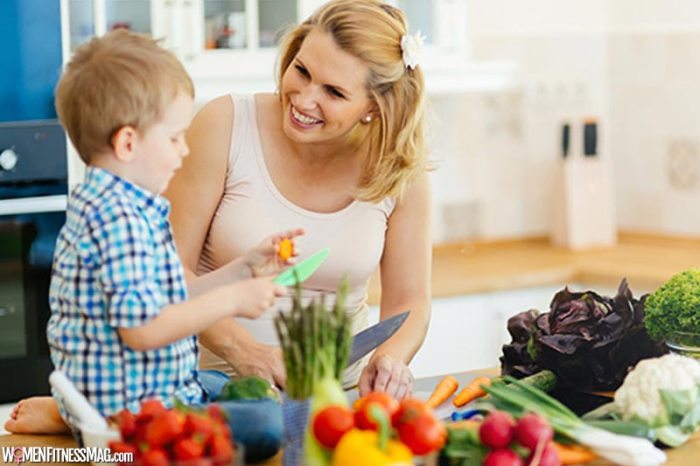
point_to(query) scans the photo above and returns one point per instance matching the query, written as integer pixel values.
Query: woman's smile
(302, 120)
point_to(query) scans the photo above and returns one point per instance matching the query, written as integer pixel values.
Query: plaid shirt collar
(155, 205)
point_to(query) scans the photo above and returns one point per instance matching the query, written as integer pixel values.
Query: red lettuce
(589, 341)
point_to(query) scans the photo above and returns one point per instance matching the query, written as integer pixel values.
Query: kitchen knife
(371, 337)
(302, 270)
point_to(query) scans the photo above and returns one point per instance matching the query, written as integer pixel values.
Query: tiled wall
(633, 65)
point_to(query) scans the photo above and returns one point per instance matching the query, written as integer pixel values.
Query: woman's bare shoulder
(218, 111)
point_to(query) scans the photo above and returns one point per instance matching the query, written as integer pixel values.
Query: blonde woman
(339, 150)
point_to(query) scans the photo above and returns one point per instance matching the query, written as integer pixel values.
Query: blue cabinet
(30, 34)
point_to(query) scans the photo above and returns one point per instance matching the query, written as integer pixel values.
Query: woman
(339, 151)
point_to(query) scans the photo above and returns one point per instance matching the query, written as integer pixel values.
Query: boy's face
(161, 148)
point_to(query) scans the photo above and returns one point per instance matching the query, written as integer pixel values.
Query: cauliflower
(640, 397)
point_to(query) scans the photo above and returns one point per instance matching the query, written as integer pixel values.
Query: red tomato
(216, 412)
(331, 423)
(422, 434)
(164, 429)
(409, 408)
(497, 430)
(199, 426)
(152, 408)
(187, 449)
(155, 458)
(220, 448)
(119, 446)
(362, 417)
(126, 421)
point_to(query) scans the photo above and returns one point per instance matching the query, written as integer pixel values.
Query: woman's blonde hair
(371, 31)
(120, 79)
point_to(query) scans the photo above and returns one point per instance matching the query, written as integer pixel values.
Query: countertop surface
(685, 455)
(477, 267)
(647, 261)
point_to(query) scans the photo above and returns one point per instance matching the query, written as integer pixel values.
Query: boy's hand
(264, 259)
(253, 296)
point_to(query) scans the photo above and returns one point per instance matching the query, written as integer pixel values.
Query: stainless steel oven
(33, 188)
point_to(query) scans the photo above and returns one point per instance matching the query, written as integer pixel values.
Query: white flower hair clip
(411, 48)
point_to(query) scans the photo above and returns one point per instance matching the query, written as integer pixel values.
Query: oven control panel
(8, 160)
(32, 151)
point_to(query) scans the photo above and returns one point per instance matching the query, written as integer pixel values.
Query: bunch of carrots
(449, 385)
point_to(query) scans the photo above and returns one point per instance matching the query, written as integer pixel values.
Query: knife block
(584, 203)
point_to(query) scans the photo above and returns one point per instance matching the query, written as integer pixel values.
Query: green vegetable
(250, 387)
(315, 342)
(675, 306)
(463, 448)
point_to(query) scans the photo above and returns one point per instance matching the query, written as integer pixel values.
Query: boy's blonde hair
(120, 79)
(371, 31)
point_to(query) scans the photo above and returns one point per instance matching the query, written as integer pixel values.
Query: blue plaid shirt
(116, 266)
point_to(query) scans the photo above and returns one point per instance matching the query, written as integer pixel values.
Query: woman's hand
(264, 259)
(385, 373)
(262, 360)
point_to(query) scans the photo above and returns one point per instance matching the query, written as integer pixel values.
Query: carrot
(573, 454)
(286, 249)
(443, 390)
(472, 391)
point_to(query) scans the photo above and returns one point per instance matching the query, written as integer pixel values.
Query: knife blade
(302, 270)
(371, 337)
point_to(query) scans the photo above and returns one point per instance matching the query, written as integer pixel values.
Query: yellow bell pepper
(362, 447)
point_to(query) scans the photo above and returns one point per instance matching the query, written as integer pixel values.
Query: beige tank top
(252, 208)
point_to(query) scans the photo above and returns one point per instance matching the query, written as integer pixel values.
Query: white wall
(633, 64)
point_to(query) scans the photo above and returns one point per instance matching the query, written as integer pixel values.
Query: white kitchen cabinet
(232, 44)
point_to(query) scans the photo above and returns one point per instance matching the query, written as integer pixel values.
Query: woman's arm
(195, 193)
(405, 280)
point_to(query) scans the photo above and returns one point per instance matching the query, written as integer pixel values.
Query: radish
(503, 457)
(532, 430)
(497, 430)
(548, 457)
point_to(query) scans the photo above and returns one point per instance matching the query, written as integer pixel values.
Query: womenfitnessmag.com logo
(19, 455)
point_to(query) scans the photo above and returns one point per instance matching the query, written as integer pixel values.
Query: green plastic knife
(302, 270)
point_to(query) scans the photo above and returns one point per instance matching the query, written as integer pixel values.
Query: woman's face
(323, 91)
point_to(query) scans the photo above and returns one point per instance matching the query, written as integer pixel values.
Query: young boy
(121, 326)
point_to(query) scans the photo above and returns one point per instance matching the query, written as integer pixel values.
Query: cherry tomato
(363, 420)
(422, 434)
(409, 408)
(187, 449)
(331, 423)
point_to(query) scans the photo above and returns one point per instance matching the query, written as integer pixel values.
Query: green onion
(620, 449)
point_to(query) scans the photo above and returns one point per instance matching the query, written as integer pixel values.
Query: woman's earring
(367, 119)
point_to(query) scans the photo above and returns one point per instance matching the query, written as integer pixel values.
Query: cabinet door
(81, 20)
(246, 24)
(134, 15)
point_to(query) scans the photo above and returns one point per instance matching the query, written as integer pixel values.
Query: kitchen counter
(477, 267)
(685, 455)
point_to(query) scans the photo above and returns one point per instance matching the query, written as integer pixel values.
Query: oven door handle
(33, 205)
